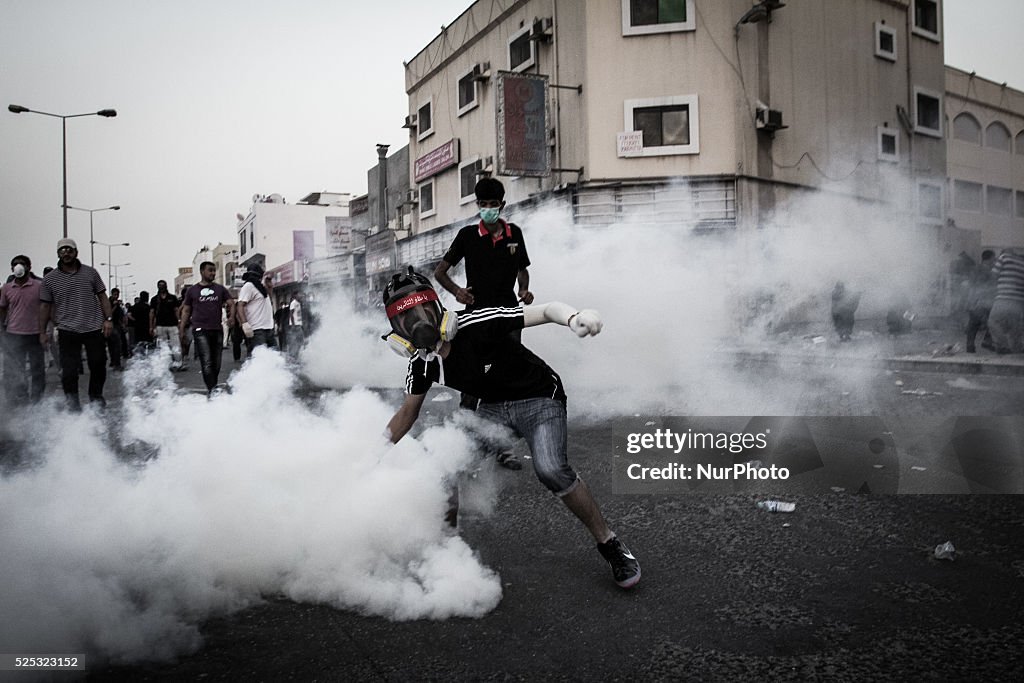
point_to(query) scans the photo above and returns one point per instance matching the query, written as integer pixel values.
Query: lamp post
(115, 266)
(109, 248)
(92, 253)
(108, 113)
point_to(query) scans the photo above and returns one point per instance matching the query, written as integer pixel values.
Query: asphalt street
(847, 587)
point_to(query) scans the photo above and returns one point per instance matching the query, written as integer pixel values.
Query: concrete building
(284, 237)
(750, 105)
(986, 158)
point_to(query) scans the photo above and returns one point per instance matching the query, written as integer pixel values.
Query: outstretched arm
(402, 421)
(583, 323)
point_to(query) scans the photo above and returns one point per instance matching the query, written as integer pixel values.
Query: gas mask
(19, 270)
(419, 324)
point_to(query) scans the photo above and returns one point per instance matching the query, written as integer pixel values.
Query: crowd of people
(51, 320)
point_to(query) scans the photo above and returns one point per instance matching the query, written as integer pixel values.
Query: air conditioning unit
(487, 165)
(410, 121)
(481, 71)
(542, 30)
(412, 196)
(769, 120)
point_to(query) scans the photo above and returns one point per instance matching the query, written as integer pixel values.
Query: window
(521, 55)
(927, 112)
(670, 125)
(252, 237)
(425, 120)
(468, 172)
(1020, 204)
(967, 128)
(1020, 142)
(997, 136)
(427, 199)
(241, 240)
(640, 17)
(885, 41)
(467, 95)
(927, 19)
(966, 196)
(888, 144)
(998, 200)
(929, 202)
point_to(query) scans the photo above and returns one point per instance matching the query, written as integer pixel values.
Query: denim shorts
(542, 422)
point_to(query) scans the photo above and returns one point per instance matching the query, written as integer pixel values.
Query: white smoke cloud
(252, 493)
(676, 305)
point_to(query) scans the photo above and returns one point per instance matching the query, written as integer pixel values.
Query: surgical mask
(19, 270)
(489, 215)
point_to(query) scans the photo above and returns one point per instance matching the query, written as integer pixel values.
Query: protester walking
(19, 318)
(163, 323)
(201, 312)
(255, 309)
(74, 295)
(1006, 321)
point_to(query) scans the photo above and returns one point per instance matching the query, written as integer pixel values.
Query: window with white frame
(426, 199)
(885, 41)
(927, 18)
(641, 17)
(997, 136)
(967, 196)
(927, 112)
(998, 200)
(468, 172)
(468, 94)
(521, 50)
(425, 120)
(1020, 204)
(967, 128)
(929, 202)
(670, 125)
(888, 144)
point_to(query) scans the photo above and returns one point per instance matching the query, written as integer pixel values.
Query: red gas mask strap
(410, 301)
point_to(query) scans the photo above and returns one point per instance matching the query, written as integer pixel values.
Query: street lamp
(92, 253)
(115, 276)
(109, 248)
(108, 113)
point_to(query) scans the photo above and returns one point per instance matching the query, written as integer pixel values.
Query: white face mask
(19, 270)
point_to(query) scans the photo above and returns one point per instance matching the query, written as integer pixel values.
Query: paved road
(846, 587)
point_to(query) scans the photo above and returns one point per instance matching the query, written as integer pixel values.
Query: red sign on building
(437, 160)
(523, 124)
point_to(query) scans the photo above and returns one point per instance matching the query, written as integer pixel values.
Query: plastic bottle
(776, 506)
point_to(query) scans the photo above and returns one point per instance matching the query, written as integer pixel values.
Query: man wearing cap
(255, 309)
(19, 315)
(477, 352)
(74, 294)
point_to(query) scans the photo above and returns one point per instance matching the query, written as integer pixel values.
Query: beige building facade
(734, 108)
(986, 158)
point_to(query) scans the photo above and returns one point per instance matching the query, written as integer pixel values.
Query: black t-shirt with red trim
(492, 266)
(487, 361)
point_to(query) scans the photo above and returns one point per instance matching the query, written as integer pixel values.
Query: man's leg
(15, 384)
(203, 343)
(96, 355)
(216, 340)
(36, 367)
(70, 351)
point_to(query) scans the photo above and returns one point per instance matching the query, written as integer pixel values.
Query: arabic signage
(436, 160)
(522, 110)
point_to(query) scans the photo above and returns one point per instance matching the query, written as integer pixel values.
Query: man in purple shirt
(19, 314)
(201, 312)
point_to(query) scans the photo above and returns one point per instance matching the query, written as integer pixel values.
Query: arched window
(1020, 142)
(997, 136)
(967, 128)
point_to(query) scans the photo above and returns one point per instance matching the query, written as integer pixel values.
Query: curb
(945, 364)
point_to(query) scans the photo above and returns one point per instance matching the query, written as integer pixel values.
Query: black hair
(207, 263)
(489, 188)
(987, 254)
(24, 259)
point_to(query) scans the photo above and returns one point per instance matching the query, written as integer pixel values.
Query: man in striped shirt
(1006, 321)
(74, 294)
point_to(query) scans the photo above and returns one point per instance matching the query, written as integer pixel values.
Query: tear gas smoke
(676, 304)
(250, 494)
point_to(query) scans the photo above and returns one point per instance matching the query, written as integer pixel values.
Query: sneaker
(625, 568)
(509, 461)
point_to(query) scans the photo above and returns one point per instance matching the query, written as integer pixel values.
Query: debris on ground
(945, 551)
(921, 392)
(776, 506)
(946, 350)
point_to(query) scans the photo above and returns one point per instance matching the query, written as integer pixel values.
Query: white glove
(586, 322)
(247, 330)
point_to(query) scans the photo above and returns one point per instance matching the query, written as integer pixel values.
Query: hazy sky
(219, 100)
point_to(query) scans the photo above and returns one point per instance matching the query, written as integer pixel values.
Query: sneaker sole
(630, 582)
